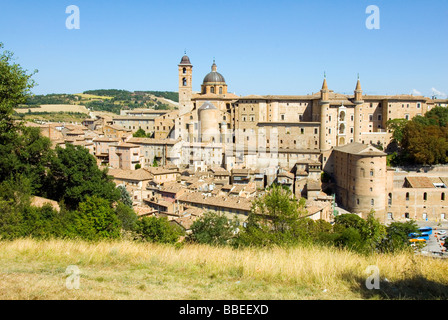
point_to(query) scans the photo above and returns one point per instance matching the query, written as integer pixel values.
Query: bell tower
(185, 85)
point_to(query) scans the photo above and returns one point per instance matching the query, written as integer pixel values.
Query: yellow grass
(92, 96)
(31, 269)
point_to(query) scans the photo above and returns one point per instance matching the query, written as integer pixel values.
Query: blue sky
(261, 47)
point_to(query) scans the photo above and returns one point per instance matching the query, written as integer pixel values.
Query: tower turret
(357, 119)
(324, 106)
(185, 85)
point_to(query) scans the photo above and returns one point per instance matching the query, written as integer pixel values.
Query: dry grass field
(31, 269)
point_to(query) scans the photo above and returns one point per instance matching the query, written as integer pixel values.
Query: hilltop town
(218, 151)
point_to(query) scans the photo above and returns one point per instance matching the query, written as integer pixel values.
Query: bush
(213, 229)
(155, 229)
(95, 220)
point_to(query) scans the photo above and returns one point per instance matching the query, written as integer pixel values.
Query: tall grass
(130, 270)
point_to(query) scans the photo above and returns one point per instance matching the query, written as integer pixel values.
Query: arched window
(341, 128)
(342, 116)
(407, 196)
(184, 82)
(425, 196)
(442, 196)
(184, 70)
(389, 199)
(212, 89)
(220, 90)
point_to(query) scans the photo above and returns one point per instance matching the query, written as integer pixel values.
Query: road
(434, 245)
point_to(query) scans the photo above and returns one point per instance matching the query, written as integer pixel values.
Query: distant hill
(109, 100)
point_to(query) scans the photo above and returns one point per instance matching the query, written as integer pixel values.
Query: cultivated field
(31, 269)
(55, 108)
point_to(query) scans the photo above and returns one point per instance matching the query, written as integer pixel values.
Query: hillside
(103, 100)
(31, 269)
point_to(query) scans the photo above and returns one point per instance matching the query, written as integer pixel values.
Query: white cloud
(437, 93)
(416, 93)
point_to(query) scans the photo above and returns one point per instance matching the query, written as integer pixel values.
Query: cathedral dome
(214, 76)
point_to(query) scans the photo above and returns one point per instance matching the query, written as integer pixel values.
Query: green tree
(354, 232)
(154, 229)
(74, 175)
(127, 216)
(214, 229)
(15, 88)
(140, 133)
(396, 126)
(125, 197)
(425, 144)
(275, 219)
(95, 220)
(397, 235)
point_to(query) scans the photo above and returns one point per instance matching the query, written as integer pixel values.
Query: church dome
(214, 76)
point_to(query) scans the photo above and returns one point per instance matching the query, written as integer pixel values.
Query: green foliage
(353, 232)
(397, 235)
(117, 94)
(173, 96)
(127, 216)
(154, 229)
(15, 88)
(214, 229)
(95, 220)
(396, 126)
(422, 140)
(125, 197)
(74, 175)
(37, 100)
(275, 219)
(140, 133)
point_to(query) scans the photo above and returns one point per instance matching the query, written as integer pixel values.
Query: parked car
(441, 232)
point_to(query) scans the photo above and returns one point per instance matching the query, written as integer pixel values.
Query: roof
(214, 76)
(234, 202)
(206, 106)
(360, 149)
(126, 145)
(138, 175)
(40, 202)
(152, 141)
(241, 171)
(420, 182)
(185, 61)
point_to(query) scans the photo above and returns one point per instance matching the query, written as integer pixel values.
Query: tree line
(422, 140)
